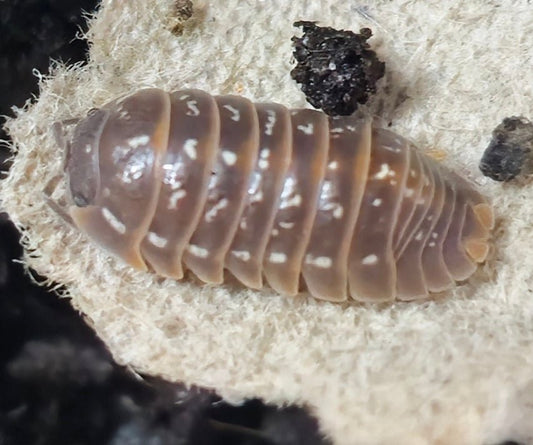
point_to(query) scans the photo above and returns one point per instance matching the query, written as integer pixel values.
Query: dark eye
(80, 200)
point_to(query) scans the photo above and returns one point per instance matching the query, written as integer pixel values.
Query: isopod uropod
(186, 180)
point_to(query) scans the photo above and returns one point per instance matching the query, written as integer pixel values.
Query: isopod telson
(186, 180)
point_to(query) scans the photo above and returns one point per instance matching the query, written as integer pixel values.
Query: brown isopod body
(186, 180)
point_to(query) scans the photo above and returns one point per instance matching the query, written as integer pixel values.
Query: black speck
(509, 151)
(182, 11)
(337, 70)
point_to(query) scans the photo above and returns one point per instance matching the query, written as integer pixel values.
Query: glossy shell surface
(217, 184)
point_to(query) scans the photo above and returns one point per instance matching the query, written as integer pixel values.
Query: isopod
(181, 181)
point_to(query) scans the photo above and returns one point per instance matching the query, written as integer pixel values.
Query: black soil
(510, 151)
(336, 70)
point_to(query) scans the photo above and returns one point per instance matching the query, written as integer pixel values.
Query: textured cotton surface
(452, 370)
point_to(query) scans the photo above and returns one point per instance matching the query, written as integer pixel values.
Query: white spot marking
(172, 173)
(295, 201)
(434, 235)
(256, 197)
(351, 128)
(384, 171)
(337, 208)
(286, 225)
(337, 130)
(212, 213)
(174, 185)
(419, 235)
(430, 218)
(327, 191)
(243, 255)
(113, 221)
(271, 120)
(377, 202)
(288, 187)
(120, 153)
(236, 113)
(277, 258)
(338, 212)
(123, 114)
(138, 141)
(229, 157)
(307, 129)
(189, 146)
(185, 96)
(431, 244)
(198, 251)
(412, 173)
(88, 148)
(393, 182)
(156, 240)
(192, 105)
(390, 148)
(369, 260)
(254, 183)
(323, 262)
(408, 192)
(275, 232)
(175, 197)
(399, 141)
(132, 172)
(263, 158)
(243, 225)
(333, 165)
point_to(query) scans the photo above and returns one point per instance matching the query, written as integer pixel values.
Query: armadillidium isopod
(190, 181)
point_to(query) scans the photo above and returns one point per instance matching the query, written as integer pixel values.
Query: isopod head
(110, 166)
(81, 158)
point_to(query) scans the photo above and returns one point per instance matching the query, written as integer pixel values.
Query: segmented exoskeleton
(186, 180)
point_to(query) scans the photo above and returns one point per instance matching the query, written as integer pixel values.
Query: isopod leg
(61, 209)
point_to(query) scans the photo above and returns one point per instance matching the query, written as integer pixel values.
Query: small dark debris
(510, 442)
(337, 70)
(182, 11)
(509, 151)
